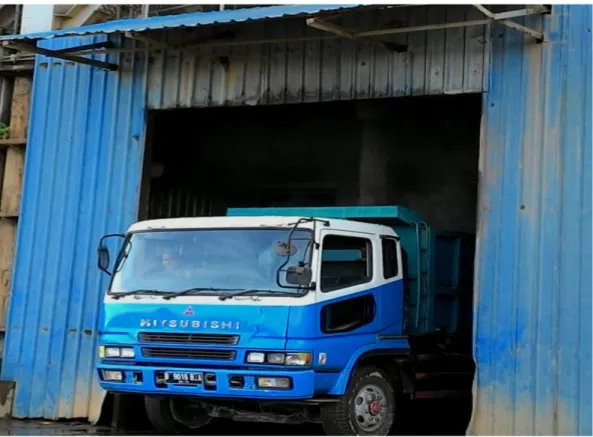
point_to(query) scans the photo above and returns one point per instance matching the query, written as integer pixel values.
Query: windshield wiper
(245, 292)
(136, 292)
(198, 289)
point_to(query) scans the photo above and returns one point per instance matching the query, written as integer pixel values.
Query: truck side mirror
(103, 258)
(298, 275)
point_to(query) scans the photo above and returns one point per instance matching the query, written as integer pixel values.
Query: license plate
(183, 378)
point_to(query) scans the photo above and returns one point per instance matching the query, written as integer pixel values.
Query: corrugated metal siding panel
(82, 177)
(437, 62)
(533, 302)
(178, 202)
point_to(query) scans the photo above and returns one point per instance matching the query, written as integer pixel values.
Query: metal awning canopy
(316, 16)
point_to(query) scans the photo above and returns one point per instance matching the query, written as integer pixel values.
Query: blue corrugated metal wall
(533, 302)
(82, 180)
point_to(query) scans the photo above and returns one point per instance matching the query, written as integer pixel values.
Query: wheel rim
(370, 407)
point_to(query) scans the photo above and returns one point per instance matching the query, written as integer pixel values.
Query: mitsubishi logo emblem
(189, 311)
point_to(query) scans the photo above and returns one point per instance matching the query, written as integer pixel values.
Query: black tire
(160, 415)
(339, 418)
(158, 410)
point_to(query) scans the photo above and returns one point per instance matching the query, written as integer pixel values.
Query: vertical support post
(10, 198)
(5, 96)
(10, 194)
(145, 11)
(7, 241)
(146, 183)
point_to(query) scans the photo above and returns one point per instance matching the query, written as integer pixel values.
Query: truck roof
(254, 222)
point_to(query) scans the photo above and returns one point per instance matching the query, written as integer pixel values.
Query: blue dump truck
(337, 315)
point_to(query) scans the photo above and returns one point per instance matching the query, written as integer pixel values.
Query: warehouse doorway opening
(417, 152)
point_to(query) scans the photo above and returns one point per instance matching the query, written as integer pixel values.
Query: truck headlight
(127, 352)
(275, 358)
(116, 352)
(280, 358)
(112, 352)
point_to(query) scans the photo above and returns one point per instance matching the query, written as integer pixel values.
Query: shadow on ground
(425, 418)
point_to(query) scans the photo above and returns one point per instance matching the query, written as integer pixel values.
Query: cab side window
(389, 250)
(345, 262)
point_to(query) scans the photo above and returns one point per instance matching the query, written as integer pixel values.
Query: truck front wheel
(172, 416)
(367, 408)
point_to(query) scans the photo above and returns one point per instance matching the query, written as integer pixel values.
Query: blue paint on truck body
(258, 329)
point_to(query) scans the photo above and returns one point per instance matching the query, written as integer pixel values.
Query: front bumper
(143, 380)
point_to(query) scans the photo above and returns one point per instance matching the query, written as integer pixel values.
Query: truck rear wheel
(367, 408)
(166, 416)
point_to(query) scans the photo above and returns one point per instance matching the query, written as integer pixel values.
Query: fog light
(273, 382)
(113, 375)
(276, 358)
(256, 357)
(298, 359)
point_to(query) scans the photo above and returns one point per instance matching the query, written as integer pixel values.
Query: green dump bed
(438, 264)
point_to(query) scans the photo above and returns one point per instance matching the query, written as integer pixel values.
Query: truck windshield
(211, 260)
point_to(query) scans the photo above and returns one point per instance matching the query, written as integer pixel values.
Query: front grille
(199, 354)
(156, 337)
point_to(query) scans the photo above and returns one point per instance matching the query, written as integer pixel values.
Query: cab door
(348, 280)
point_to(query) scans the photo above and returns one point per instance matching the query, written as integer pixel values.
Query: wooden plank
(7, 242)
(20, 142)
(2, 161)
(21, 101)
(12, 185)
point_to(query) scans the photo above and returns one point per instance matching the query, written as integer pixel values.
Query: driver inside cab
(172, 264)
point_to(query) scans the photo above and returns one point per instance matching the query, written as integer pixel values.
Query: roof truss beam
(504, 19)
(60, 54)
(154, 44)
(344, 32)
(93, 46)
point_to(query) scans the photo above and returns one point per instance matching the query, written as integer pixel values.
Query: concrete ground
(73, 428)
(426, 418)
